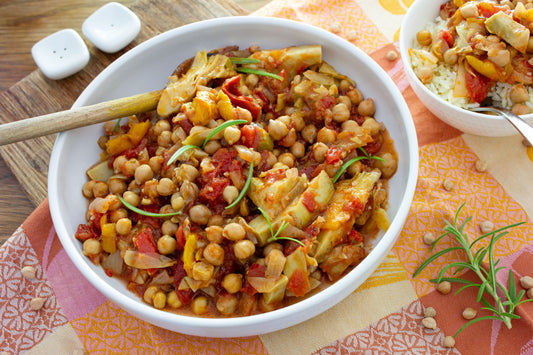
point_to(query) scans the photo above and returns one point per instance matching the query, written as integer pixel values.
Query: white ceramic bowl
(147, 67)
(419, 14)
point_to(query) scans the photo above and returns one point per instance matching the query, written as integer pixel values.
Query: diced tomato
(308, 200)
(355, 207)
(478, 86)
(211, 193)
(298, 282)
(185, 296)
(325, 102)
(333, 155)
(231, 88)
(181, 238)
(144, 241)
(447, 37)
(353, 237)
(154, 222)
(256, 270)
(373, 147)
(274, 175)
(185, 123)
(290, 247)
(250, 136)
(134, 152)
(487, 9)
(259, 92)
(85, 232)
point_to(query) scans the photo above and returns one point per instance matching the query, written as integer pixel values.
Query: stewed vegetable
(252, 185)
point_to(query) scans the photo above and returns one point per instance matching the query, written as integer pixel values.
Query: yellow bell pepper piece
(188, 253)
(109, 238)
(483, 67)
(128, 140)
(225, 108)
(205, 108)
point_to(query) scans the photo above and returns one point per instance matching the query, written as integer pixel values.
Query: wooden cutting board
(36, 95)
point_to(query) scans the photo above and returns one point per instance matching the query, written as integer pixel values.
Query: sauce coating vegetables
(231, 198)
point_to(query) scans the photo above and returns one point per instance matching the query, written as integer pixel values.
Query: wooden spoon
(77, 117)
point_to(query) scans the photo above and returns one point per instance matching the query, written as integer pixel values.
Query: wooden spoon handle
(77, 117)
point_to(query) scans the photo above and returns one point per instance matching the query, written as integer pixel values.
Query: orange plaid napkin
(382, 316)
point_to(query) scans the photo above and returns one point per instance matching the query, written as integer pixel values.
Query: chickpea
(391, 56)
(173, 300)
(366, 108)
(530, 45)
(270, 160)
(371, 125)
(519, 94)
(429, 323)
(251, 80)
(350, 125)
(298, 150)
(521, 109)
(159, 300)
(286, 159)
(200, 305)
(232, 283)
(155, 163)
(272, 246)
(123, 226)
(189, 191)
(469, 313)
(214, 254)
(326, 136)
(227, 303)
(232, 135)
(186, 172)
(100, 189)
(429, 238)
(202, 271)
(424, 73)
(130, 166)
(132, 198)
(501, 58)
(200, 214)
(469, 10)
(91, 247)
(166, 187)
(243, 249)
(117, 186)
(275, 260)
(214, 234)
(87, 189)
(161, 126)
(169, 227)
(165, 139)
(243, 114)
(118, 163)
(526, 282)
(118, 214)
(277, 129)
(309, 133)
(355, 96)
(449, 342)
(444, 287)
(319, 151)
(424, 37)
(149, 294)
(297, 121)
(143, 173)
(234, 231)
(212, 146)
(341, 112)
(388, 166)
(216, 220)
(450, 56)
(345, 100)
(230, 193)
(177, 202)
(289, 139)
(178, 135)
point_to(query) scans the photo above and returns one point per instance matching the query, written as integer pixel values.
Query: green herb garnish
(274, 236)
(246, 186)
(259, 72)
(145, 213)
(505, 305)
(351, 161)
(117, 126)
(220, 128)
(180, 152)
(238, 60)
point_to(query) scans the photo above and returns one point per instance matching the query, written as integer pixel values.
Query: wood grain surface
(27, 93)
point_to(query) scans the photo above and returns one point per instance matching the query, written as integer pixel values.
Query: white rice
(443, 81)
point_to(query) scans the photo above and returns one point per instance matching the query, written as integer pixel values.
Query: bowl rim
(290, 315)
(405, 43)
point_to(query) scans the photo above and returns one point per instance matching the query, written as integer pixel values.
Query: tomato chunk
(298, 283)
(478, 86)
(144, 241)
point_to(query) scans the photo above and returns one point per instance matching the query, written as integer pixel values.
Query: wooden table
(23, 166)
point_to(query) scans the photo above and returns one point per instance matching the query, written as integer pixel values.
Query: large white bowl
(418, 16)
(147, 67)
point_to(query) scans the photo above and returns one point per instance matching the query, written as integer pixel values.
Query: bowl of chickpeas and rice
(74, 200)
(460, 55)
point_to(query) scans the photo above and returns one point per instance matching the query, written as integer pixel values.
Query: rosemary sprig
(503, 306)
(259, 72)
(274, 236)
(145, 213)
(117, 126)
(220, 128)
(245, 188)
(238, 60)
(180, 152)
(353, 160)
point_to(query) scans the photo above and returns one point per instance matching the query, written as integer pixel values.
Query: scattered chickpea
(243, 249)
(450, 56)
(430, 312)
(447, 184)
(519, 94)
(28, 272)
(444, 287)
(486, 227)
(336, 27)
(428, 238)
(391, 56)
(449, 342)
(37, 303)
(166, 244)
(526, 282)
(234, 231)
(529, 293)
(352, 35)
(116, 186)
(520, 109)
(481, 165)
(469, 313)
(429, 323)
(87, 189)
(177, 202)
(200, 305)
(424, 73)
